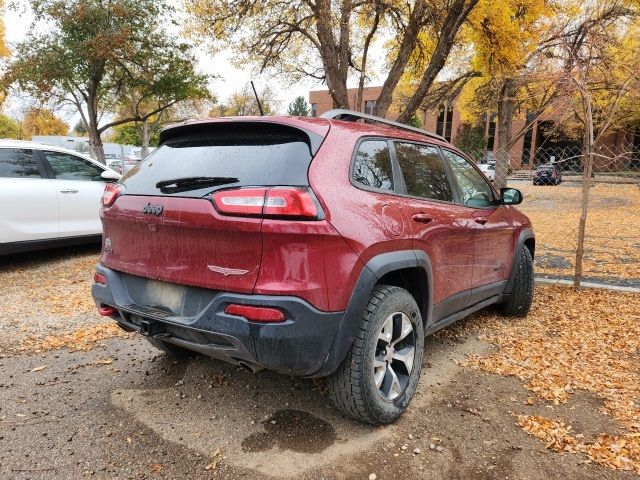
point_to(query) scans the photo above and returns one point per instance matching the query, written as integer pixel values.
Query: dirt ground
(113, 407)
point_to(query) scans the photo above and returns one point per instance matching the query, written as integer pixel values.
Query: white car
(489, 170)
(49, 196)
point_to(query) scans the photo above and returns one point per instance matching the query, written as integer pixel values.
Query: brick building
(620, 150)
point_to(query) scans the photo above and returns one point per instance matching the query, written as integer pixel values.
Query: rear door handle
(481, 221)
(422, 218)
(68, 190)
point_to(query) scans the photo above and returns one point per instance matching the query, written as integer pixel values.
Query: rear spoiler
(313, 139)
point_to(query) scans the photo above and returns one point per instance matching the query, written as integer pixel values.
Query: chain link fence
(551, 180)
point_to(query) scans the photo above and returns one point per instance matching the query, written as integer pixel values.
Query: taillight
(279, 202)
(99, 278)
(256, 314)
(111, 192)
(244, 201)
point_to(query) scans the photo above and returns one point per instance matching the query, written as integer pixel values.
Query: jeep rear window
(259, 154)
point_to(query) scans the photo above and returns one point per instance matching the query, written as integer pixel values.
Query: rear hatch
(165, 223)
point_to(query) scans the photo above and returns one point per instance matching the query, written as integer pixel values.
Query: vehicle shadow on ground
(267, 422)
(41, 258)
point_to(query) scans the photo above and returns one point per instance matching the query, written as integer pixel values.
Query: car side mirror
(110, 176)
(510, 196)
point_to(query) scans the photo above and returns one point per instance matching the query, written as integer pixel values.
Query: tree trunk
(586, 183)
(144, 139)
(95, 141)
(457, 14)
(333, 55)
(358, 106)
(407, 45)
(506, 110)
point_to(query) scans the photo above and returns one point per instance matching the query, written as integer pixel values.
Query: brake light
(99, 278)
(256, 314)
(283, 202)
(111, 192)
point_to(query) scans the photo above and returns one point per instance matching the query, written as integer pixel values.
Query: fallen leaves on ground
(83, 339)
(217, 458)
(574, 339)
(612, 242)
(620, 452)
(60, 287)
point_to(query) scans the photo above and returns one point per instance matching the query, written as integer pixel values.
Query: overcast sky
(229, 79)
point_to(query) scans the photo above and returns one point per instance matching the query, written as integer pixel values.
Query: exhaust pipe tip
(250, 367)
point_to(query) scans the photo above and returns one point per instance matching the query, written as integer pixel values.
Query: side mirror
(510, 196)
(110, 176)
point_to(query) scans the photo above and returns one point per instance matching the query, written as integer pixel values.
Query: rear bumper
(301, 345)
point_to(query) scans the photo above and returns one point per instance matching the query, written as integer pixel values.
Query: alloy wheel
(395, 350)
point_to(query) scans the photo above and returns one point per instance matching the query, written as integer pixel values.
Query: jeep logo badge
(149, 209)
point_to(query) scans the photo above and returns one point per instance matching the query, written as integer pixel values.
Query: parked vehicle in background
(315, 247)
(123, 166)
(547, 174)
(489, 170)
(48, 196)
(115, 165)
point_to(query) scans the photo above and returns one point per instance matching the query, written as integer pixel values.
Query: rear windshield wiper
(192, 183)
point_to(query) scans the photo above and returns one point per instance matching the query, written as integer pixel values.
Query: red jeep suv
(316, 247)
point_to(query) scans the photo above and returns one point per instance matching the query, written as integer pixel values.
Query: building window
(314, 109)
(491, 133)
(635, 157)
(444, 122)
(369, 106)
(440, 122)
(448, 123)
(528, 139)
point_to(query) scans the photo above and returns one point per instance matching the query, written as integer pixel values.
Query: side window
(474, 189)
(70, 167)
(372, 166)
(424, 171)
(18, 163)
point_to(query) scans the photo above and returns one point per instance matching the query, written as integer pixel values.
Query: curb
(603, 286)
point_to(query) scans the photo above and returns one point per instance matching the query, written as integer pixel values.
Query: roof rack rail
(353, 116)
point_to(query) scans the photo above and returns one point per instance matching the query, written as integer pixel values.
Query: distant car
(489, 170)
(115, 165)
(547, 174)
(123, 166)
(48, 196)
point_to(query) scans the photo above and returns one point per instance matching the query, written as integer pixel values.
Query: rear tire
(170, 348)
(519, 302)
(380, 374)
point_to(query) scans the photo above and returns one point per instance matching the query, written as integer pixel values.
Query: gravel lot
(124, 411)
(47, 292)
(116, 408)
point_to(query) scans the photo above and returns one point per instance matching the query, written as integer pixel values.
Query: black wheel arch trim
(371, 273)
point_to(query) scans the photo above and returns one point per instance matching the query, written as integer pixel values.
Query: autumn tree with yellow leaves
(41, 121)
(509, 44)
(331, 40)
